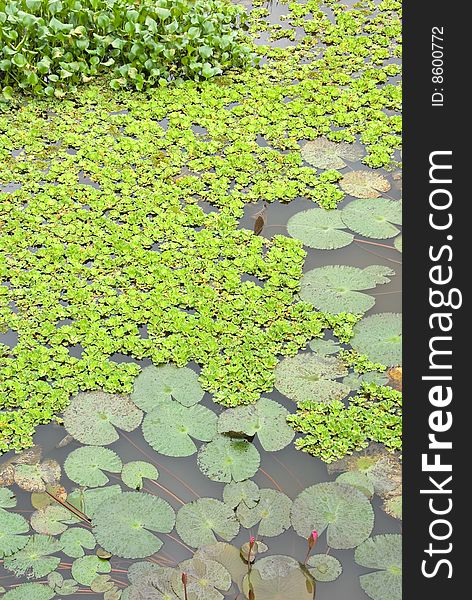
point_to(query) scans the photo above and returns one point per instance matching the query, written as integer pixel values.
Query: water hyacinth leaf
(358, 480)
(199, 522)
(382, 552)
(227, 555)
(86, 568)
(204, 579)
(266, 418)
(324, 347)
(134, 472)
(324, 567)
(380, 338)
(319, 228)
(272, 512)
(241, 492)
(335, 288)
(225, 459)
(7, 498)
(35, 559)
(280, 578)
(156, 385)
(398, 243)
(35, 478)
(52, 520)
(87, 501)
(374, 218)
(311, 377)
(28, 591)
(12, 528)
(126, 524)
(172, 427)
(344, 511)
(325, 154)
(364, 184)
(93, 417)
(86, 465)
(75, 540)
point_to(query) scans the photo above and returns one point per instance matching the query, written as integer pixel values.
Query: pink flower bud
(252, 541)
(312, 539)
(184, 578)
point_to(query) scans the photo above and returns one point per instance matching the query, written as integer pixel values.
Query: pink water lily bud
(312, 539)
(252, 541)
(184, 578)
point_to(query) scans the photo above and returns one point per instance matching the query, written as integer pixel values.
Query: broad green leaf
(28, 591)
(86, 465)
(380, 338)
(324, 154)
(319, 228)
(374, 218)
(205, 578)
(156, 385)
(88, 501)
(225, 459)
(280, 578)
(52, 519)
(85, 569)
(36, 558)
(199, 522)
(75, 540)
(382, 552)
(364, 184)
(134, 472)
(272, 512)
(358, 480)
(246, 492)
(324, 567)
(12, 528)
(7, 498)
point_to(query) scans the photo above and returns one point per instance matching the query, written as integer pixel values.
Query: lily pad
(154, 583)
(342, 510)
(28, 591)
(272, 512)
(75, 540)
(87, 501)
(311, 377)
(324, 347)
(156, 385)
(35, 559)
(319, 228)
(266, 418)
(380, 338)
(199, 522)
(355, 381)
(204, 579)
(7, 498)
(85, 569)
(52, 520)
(134, 472)
(125, 525)
(374, 218)
(393, 504)
(280, 578)
(324, 567)
(86, 465)
(12, 528)
(382, 552)
(35, 478)
(171, 428)
(335, 288)
(225, 459)
(325, 154)
(241, 492)
(227, 555)
(364, 184)
(358, 480)
(43, 499)
(398, 243)
(93, 417)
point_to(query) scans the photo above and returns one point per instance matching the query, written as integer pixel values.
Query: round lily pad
(364, 184)
(311, 377)
(373, 218)
(12, 528)
(35, 478)
(85, 569)
(336, 288)
(227, 555)
(342, 510)
(75, 540)
(382, 552)
(89, 500)
(280, 578)
(125, 525)
(199, 522)
(225, 459)
(324, 347)
(36, 558)
(171, 428)
(237, 492)
(93, 417)
(324, 567)
(393, 505)
(319, 228)
(358, 480)
(7, 498)
(325, 154)
(86, 465)
(156, 385)
(133, 473)
(380, 338)
(52, 519)
(272, 512)
(204, 579)
(28, 591)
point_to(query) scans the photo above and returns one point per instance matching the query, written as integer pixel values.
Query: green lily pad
(204, 579)
(380, 338)
(335, 288)
(311, 377)
(199, 522)
(87, 501)
(35, 478)
(272, 512)
(266, 418)
(374, 218)
(324, 567)
(358, 480)
(28, 591)
(93, 417)
(85, 569)
(280, 578)
(342, 510)
(7, 498)
(171, 428)
(133, 473)
(75, 540)
(241, 492)
(382, 552)
(156, 385)
(227, 555)
(12, 528)
(398, 243)
(35, 558)
(319, 228)
(154, 582)
(393, 505)
(324, 347)
(125, 525)
(225, 459)
(51, 520)
(355, 381)
(86, 465)
(325, 154)
(101, 584)
(364, 184)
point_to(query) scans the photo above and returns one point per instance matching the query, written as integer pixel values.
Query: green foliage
(51, 46)
(384, 553)
(360, 362)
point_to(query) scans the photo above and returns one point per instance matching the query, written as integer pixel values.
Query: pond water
(287, 470)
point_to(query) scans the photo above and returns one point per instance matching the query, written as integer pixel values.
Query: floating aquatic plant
(380, 338)
(381, 552)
